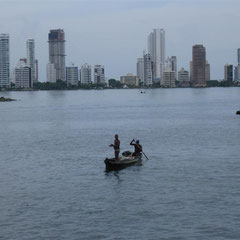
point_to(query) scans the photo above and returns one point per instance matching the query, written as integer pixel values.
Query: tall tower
(140, 69)
(56, 40)
(148, 69)
(157, 50)
(31, 59)
(198, 77)
(4, 61)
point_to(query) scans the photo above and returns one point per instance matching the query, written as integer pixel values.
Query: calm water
(53, 183)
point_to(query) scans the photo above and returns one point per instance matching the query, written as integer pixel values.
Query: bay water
(53, 183)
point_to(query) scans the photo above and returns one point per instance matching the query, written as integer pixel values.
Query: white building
(86, 74)
(169, 79)
(4, 61)
(99, 75)
(140, 69)
(31, 59)
(183, 75)
(157, 50)
(171, 65)
(22, 75)
(51, 73)
(148, 69)
(72, 76)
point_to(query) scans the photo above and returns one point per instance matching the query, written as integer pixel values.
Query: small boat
(127, 159)
(238, 112)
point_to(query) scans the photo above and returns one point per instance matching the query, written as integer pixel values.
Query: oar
(143, 152)
(145, 155)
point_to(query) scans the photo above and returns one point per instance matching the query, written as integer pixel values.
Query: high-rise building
(72, 76)
(99, 75)
(51, 73)
(22, 75)
(228, 73)
(198, 77)
(171, 65)
(140, 69)
(56, 40)
(183, 75)
(157, 50)
(148, 69)
(208, 71)
(4, 61)
(169, 79)
(86, 74)
(36, 70)
(31, 59)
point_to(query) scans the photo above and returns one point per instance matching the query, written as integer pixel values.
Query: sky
(114, 33)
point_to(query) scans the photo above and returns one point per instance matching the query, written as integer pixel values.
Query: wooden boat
(124, 161)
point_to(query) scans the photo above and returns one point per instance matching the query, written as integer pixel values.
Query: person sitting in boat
(137, 147)
(116, 146)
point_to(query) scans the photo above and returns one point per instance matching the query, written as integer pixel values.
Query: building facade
(148, 69)
(36, 70)
(22, 75)
(56, 41)
(208, 71)
(169, 79)
(31, 59)
(51, 73)
(157, 50)
(130, 80)
(99, 74)
(140, 69)
(4, 61)
(72, 76)
(183, 75)
(86, 74)
(228, 73)
(198, 77)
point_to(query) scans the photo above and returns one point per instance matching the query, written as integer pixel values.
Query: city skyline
(182, 32)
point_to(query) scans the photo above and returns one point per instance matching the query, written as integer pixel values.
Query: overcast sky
(114, 33)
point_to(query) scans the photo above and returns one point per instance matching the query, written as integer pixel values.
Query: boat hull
(123, 162)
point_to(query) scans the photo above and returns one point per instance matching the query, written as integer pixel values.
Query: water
(53, 183)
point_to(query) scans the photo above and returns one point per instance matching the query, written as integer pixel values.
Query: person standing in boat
(116, 146)
(137, 147)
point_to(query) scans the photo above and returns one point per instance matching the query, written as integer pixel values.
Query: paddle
(142, 152)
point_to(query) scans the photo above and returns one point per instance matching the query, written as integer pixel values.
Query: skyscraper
(228, 73)
(56, 40)
(156, 48)
(86, 74)
(148, 69)
(4, 61)
(99, 75)
(198, 77)
(140, 69)
(171, 65)
(36, 70)
(31, 59)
